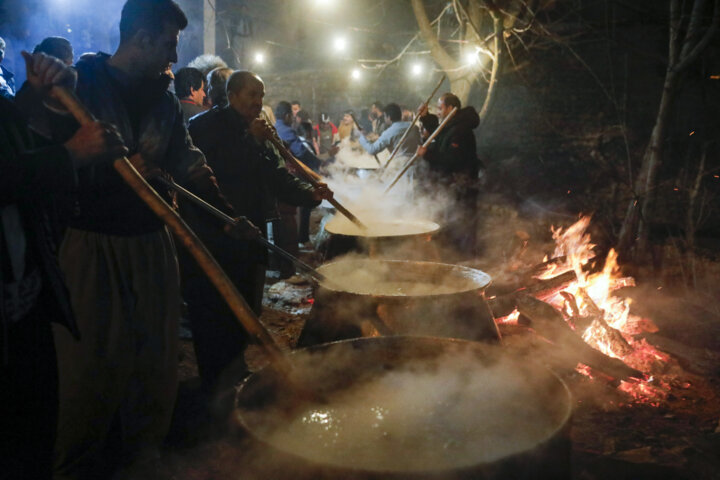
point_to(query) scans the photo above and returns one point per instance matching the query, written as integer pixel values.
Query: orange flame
(612, 327)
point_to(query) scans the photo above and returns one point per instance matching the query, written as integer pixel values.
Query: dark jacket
(8, 89)
(251, 174)
(30, 179)
(454, 149)
(297, 147)
(150, 121)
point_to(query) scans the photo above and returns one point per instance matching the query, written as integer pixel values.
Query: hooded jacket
(454, 149)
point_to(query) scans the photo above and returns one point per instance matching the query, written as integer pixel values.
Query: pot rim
(483, 279)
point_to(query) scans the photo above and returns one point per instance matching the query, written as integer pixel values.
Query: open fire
(602, 320)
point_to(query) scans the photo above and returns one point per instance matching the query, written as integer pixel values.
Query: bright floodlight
(340, 44)
(416, 69)
(259, 58)
(355, 74)
(471, 57)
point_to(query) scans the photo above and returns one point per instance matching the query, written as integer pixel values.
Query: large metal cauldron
(407, 408)
(399, 297)
(396, 238)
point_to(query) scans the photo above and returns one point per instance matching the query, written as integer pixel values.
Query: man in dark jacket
(118, 258)
(251, 172)
(32, 292)
(453, 164)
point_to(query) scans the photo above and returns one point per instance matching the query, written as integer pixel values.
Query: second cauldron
(365, 296)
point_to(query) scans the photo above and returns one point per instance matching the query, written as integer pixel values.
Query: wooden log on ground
(549, 323)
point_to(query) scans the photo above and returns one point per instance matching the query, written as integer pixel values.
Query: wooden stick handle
(409, 163)
(217, 276)
(407, 131)
(314, 179)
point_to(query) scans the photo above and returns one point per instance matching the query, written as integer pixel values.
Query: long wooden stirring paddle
(219, 214)
(409, 163)
(209, 265)
(314, 179)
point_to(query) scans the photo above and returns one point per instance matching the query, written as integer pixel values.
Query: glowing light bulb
(355, 74)
(416, 69)
(471, 58)
(259, 58)
(340, 44)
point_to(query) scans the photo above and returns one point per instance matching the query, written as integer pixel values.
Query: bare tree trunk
(634, 232)
(690, 220)
(633, 240)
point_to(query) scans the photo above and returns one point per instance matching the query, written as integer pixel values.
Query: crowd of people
(91, 280)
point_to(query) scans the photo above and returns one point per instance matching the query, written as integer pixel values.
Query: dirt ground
(612, 437)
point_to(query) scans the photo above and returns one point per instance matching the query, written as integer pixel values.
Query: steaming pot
(401, 238)
(501, 418)
(399, 297)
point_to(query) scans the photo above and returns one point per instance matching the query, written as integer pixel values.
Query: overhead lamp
(340, 44)
(259, 57)
(355, 74)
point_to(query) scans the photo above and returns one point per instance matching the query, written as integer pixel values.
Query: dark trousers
(218, 339)
(28, 398)
(304, 224)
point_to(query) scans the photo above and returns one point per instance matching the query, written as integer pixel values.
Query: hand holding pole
(409, 163)
(212, 269)
(407, 131)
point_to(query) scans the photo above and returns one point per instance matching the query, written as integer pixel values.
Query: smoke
(361, 186)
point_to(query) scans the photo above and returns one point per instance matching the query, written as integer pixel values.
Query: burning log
(604, 332)
(503, 304)
(541, 268)
(549, 323)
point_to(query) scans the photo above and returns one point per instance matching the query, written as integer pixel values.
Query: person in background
(407, 114)
(377, 118)
(453, 164)
(36, 177)
(216, 81)
(296, 107)
(190, 89)
(119, 382)
(249, 168)
(57, 47)
(7, 78)
(365, 120)
(305, 134)
(395, 129)
(347, 126)
(207, 63)
(327, 134)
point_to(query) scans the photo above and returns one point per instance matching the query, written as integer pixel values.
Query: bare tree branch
(438, 52)
(693, 54)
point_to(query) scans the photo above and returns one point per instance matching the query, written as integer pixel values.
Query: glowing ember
(605, 321)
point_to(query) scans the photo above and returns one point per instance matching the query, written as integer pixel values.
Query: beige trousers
(125, 294)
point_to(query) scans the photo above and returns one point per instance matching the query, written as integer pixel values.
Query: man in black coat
(33, 182)
(453, 164)
(252, 175)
